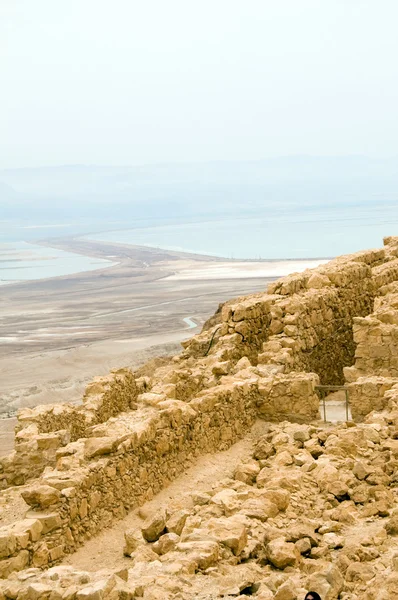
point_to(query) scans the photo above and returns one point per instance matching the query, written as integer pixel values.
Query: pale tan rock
(228, 531)
(259, 508)
(333, 541)
(392, 525)
(175, 523)
(204, 554)
(264, 594)
(133, 538)
(48, 520)
(277, 496)
(281, 554)
(287, 591)
(143, 554)
(36, 591)
(328, 582)
(154, 526)
(284, 458)
(300, 531)
(263, 449)
(13, 564)
(303, 545)
(166, 543)
(359, 572)
(228, 499)
(247, 472)
(41, 495)
(317, 281)
(338, 488)
(98, 446)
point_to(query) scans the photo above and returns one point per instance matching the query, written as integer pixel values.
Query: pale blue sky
(122, 82)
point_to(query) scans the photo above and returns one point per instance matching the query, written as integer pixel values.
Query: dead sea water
(292, 233)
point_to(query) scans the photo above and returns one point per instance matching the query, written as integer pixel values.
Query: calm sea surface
(292, 233)
(22, 261)
(273, 233)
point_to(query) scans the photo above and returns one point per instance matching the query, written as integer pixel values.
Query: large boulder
(282, 554)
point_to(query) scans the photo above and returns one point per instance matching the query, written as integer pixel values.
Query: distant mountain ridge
(195, 189)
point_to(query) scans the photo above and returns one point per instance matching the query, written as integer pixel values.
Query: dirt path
(106, 549)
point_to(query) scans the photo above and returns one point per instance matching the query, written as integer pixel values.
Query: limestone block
(279, 497)
(259, 508)
(228, 499)
(247, 472)
(31, 527)
(328, 582)
(41, 555)
(49, 521)
(281, 554)
(16, 563)
(154, 526)
(98, 446)
(175, 523)
(287, 591)
(8, 542)
(133, 539)
(317, 280)
(41, 495)
(166, 543)
(204, 554)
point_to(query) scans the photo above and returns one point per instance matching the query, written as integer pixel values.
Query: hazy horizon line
(202, 162)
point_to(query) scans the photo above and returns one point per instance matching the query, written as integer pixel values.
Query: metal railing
(324, 391)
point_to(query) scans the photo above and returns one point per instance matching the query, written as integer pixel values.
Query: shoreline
(45, 259)
(94, 250)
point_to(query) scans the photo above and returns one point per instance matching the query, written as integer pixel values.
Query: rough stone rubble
(316, 506)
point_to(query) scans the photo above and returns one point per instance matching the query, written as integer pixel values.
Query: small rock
(133, 539)
(166, 543)
(333, 541)
(247, 472)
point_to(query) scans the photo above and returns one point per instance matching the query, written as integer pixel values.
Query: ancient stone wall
(115, 474)
(376, 338)
(304, 321)
(98, 479)
(41, 431)
(375, 370)
(368, 394)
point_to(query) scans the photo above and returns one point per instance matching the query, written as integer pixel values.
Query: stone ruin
(79, 468)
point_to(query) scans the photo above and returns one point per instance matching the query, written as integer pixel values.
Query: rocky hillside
(312, 505)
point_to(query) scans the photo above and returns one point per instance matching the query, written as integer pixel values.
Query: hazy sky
(145, 81)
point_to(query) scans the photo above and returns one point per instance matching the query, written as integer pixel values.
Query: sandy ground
(105, 550)
(57, 334)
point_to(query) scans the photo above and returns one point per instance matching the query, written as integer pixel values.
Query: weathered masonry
(134, 433)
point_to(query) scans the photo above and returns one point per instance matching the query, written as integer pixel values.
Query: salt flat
(245, 269)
